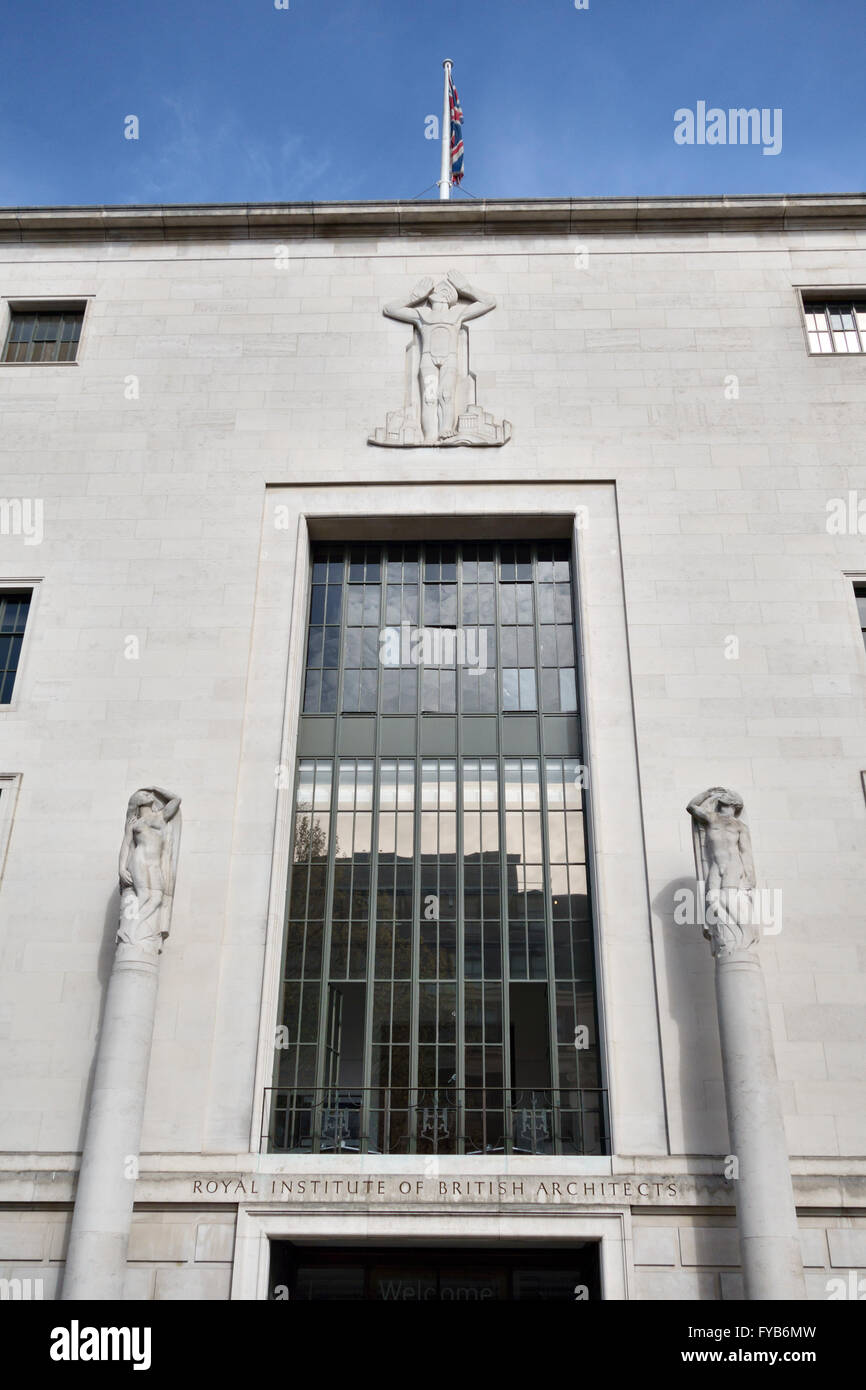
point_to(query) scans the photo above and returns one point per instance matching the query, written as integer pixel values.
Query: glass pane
(567, 690)
(528, 698)
(46, 329)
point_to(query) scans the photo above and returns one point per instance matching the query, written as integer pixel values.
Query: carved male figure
(146, 864)
(438, 314)
(723, 859)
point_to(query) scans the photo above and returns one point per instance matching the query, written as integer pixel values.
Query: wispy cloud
(200, 155)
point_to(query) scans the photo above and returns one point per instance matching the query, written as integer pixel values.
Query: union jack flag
(456, 132)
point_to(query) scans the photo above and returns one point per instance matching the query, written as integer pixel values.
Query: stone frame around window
(823, 295)
(855, 581)
(34, 585)
(43, 304)
(474, 510)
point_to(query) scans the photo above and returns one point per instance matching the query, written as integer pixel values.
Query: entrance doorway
(412, 1274)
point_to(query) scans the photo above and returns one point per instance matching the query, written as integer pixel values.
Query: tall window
(49, 335)
(439, 984)
(14, 608)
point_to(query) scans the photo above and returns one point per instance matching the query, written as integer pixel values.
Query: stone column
(99, 1236)
(770, 1252)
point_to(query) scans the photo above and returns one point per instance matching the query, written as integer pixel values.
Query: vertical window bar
(504, 929)
(459, 867)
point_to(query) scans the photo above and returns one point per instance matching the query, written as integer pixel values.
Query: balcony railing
(440, 1120)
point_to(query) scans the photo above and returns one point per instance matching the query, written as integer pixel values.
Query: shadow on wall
(104, 962)
(701, 1127)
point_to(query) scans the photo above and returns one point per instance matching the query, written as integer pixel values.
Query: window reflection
(323, 639)
(396, 802)
(413, 874)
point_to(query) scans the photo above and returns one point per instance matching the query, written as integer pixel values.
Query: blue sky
(238, 101)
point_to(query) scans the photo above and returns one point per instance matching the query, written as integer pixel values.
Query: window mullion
(459, 870)
(415, 986)
(545, 840)
(504, 936)
(335, 779)
(373, 904)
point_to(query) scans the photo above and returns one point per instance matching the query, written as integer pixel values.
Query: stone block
(161, 1240)
(814, 1246)
(675, 1285)
(22, 1239)
(709, 1245)
(655, 1245)
(138, 1284)
(731, 1282)
(847, 1248)
(194, 1283)
(214, 1243)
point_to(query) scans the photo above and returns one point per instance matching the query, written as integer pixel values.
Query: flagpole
(445, 166)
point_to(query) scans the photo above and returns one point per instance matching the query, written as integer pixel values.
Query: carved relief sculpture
(439, 404)
(725, 870)
(147, 868)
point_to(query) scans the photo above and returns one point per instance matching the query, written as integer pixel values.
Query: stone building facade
(168, 484)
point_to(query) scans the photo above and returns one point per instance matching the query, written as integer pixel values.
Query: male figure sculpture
(725, 868)
(148, 862)
(438, 314)
(439, 401)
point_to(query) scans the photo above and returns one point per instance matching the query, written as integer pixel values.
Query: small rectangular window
(14, 608)
(836, 324)
(44, 335)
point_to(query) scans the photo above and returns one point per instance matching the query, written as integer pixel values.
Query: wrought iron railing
(434, 1120)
